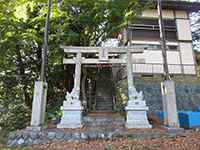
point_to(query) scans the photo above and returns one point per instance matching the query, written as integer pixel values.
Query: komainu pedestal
(72, 111)
(137, 112)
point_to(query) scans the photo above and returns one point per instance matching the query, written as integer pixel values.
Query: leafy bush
(121, 95)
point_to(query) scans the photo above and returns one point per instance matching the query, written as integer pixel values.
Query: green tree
(74, 22)
(88, 22)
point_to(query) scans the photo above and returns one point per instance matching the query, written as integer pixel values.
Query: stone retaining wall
(29, 137)
(187, 92)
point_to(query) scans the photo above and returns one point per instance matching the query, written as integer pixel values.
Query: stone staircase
(104, 120)
(104, 104)
(103, 97)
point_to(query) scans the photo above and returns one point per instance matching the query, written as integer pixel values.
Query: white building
(144, 34)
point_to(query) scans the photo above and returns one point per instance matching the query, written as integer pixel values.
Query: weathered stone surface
(136, 116)
(12, 135)
(187, 92)
(72, 107)
(169, 103)
(92, 135)
(60, 135)
(68, 136)
(72, 111)
(34, 135)
(39, 104)
(51, 135)
(101, 135)
(28, 141)
(110, 135)
(13, 142)
(76, 136)
(25, 135)
(174, 130)
(37, 141)
(84, 136)
(20, 141)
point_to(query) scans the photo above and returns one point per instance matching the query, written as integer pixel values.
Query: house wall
(169, 14)
(180, 61)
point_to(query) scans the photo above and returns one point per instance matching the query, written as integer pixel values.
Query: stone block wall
(187, 92)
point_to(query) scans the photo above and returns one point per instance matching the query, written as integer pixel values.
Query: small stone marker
(103, 55)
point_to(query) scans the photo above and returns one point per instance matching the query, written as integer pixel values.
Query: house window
(148, 29)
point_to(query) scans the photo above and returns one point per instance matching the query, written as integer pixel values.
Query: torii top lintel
(76, 49)
(102, 52)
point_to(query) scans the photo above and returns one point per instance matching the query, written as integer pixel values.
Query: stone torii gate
(72, 107)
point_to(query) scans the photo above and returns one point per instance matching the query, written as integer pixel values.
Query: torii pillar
(72, 107)
(136, 107)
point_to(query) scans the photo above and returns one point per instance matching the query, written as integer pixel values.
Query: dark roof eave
(177, 5)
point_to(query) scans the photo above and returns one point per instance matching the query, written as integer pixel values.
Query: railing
(158, 68)
(155, 68)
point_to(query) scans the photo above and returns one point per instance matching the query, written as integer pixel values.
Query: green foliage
(121, 95)
(90, 21)
(75, 22)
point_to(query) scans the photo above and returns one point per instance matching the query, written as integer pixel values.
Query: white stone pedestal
(136, 114)
(72, 112)
(39, 104)
(169, 104)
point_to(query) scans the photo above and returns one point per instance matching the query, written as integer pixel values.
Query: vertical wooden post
(45, 47)
(163, 40)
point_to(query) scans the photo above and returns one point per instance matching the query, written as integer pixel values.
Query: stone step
(108, 120)
(106, 105)
(105, 101)
(103, 104)
(105, 109)
(103, 98)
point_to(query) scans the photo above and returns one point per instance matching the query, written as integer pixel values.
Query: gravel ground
(190, 140)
